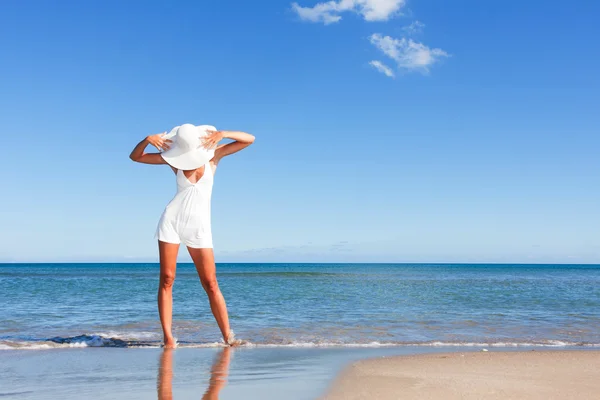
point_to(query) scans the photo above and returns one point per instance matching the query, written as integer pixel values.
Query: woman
(193, 154)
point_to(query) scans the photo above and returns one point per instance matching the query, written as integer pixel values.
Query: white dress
(187, 217)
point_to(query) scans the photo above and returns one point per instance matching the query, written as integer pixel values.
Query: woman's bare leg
(204, 260)
(168, 265)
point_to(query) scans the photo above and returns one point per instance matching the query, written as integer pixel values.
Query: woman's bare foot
(231, 340)
(170, 343)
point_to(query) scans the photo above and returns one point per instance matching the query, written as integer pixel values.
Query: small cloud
(323, 12)
(408, 54)
(414, 29)
(329, 12)
(381, 67)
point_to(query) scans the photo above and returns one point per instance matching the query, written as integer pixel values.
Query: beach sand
(484, 375)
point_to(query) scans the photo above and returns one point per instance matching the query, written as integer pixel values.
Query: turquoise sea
(45, 306)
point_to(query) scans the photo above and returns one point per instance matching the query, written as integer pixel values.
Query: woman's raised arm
(241, 141)
(138, 154)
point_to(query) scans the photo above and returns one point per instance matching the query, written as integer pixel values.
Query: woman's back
(187, 217)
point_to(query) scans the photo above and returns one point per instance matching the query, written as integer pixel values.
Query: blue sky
(387, 131)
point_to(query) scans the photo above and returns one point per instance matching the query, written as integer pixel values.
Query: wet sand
(185, 373)
(524, 375)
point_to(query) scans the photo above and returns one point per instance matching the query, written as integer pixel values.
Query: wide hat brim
(184, 159)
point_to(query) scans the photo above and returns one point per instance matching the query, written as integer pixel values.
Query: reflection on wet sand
(218, 375)
(164, 384)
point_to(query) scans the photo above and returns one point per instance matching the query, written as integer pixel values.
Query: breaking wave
(92, 341)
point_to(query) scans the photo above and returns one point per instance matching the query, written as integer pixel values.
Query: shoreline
(244, 372)
(99, 341)
(498, 374)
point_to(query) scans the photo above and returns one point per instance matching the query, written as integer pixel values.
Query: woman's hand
(211, 140)
(241, 140)
(158, 141)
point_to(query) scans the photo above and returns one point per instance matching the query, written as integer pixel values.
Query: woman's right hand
(158, 141)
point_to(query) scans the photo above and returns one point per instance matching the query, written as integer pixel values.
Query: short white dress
(186, 218)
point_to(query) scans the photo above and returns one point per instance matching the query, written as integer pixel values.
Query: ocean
(47, 306)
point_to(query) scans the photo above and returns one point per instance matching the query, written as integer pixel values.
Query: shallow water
(293, 373)
(70, 305)
(209, 373)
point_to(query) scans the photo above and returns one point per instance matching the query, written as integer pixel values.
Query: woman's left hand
(211, 140)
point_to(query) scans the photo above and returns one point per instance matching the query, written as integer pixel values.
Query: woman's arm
(241, 141)
(138, 154)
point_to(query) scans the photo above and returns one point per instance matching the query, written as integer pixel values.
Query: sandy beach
(485, 375)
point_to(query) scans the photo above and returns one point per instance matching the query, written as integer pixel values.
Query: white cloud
(329, 12)
(414, 28)
(322, 12)
(381, 67)
(380, 10)
(408, 54)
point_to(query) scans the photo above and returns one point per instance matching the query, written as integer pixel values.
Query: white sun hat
(186, 152)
